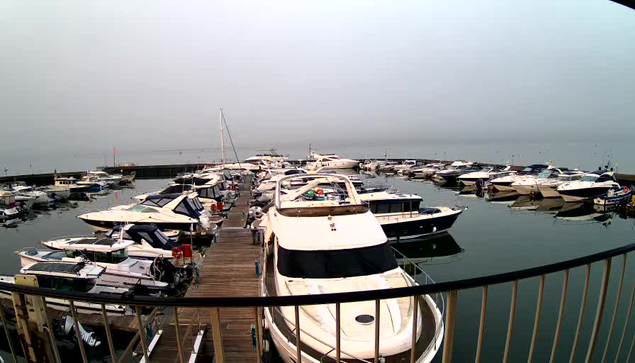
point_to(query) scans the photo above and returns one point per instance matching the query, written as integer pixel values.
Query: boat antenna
(222, 115)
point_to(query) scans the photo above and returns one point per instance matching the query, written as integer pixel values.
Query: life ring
(177, 252)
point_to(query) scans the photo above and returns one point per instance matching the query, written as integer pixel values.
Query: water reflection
(441, 249)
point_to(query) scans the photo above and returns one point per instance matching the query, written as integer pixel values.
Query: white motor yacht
(591, 185)
(331, 161)
(148, 241)
(504, 183)
(334, 244)
(484, 175)
(77, 277)
(39, 198)
(425, 172)
(121, 270)
(99, 175)
(402, 219)
(177, 211)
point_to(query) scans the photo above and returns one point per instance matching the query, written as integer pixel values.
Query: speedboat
(148, 241)
(425, 172)
(211, 195)
(40, 199)
(70, 183)
(591, 185)
(56, 193)
(548, 188)
(484, 175)
(401, 218)
(529, 184)
(102, 176)
(332, 161)
(504, 183)
(613, 197)
(405, 167)
(334, 244)
(450, 175)
(177, 211)
(121, 270)
(8, 206)
(75, 277)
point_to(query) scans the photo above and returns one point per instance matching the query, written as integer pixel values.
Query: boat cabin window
(603, 178)
(98, 256)
(331, 264)
(394, 206)
(65, 283)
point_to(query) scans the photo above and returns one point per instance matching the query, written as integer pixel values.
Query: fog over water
(482, 80)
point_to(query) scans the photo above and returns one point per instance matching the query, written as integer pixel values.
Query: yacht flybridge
(167, 211)
(325, 240)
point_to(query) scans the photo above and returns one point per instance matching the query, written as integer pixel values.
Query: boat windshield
(330, 264)
(545, 174)
(140, 208)
(589, 178)
(65, 283)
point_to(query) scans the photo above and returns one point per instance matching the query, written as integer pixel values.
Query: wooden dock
(227, 270)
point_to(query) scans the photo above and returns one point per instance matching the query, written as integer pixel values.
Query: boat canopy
(151, 234)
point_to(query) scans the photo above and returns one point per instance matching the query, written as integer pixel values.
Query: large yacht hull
(104, 226)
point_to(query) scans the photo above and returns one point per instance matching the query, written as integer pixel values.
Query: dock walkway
(227, 270)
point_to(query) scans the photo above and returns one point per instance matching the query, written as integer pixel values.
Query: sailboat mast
(222, 138)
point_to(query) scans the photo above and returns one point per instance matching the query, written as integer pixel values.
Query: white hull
(573, 199)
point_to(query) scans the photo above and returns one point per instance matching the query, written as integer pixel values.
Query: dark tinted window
(337, 263)
(383, 208)
(396, 207)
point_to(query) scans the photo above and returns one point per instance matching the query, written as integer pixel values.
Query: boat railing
(602, 329)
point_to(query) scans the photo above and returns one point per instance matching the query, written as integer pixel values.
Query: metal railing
(452, 289)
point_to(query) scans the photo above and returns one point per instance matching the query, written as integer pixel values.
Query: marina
(449, 254)
(317, 182)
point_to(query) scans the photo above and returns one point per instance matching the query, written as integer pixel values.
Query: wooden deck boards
(227, 270)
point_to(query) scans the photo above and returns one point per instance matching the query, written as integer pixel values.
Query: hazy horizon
(80, 78)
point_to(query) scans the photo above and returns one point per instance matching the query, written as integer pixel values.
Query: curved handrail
(245, 301)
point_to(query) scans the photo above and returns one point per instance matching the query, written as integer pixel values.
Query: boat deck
(227, 270)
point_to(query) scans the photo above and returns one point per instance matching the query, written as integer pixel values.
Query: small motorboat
(615, 196)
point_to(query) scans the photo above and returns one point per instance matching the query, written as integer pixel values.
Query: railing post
(626, 323)
(534, 336)
(78, 335)
(563, 300)
(298, 342)
(8, 334)
(377, 318)
(415, 317)
(600, 309)
(338, 348)
(142, 336)
(481, 327)
(585, 294)
(219, 354)
(617, 306)
(177, 331)
(258, 327)
(510, 325)
(450, 322)
(111, 345)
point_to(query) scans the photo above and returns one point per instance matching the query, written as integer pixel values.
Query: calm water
(488, 238)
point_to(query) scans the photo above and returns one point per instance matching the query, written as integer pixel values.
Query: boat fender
(177, 252)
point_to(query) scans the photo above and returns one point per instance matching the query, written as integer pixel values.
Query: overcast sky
(147, 75)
